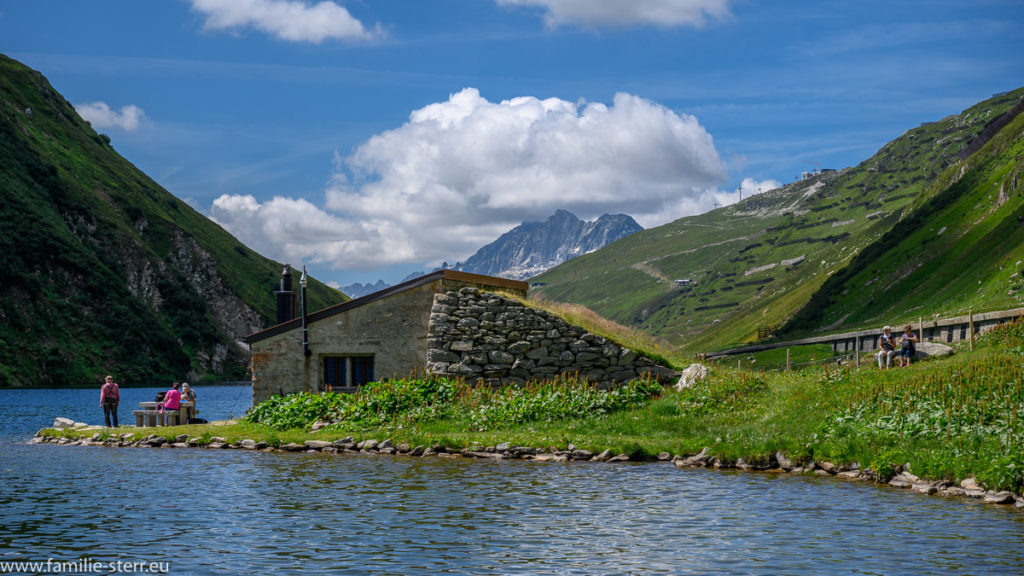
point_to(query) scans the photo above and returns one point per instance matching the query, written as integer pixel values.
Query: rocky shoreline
(776, 463)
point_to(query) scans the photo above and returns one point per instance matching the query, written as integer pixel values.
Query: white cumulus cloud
(101, 116)
(619, 13)
(459, 173)
(292, 20)
(750, 186)
(296, 230)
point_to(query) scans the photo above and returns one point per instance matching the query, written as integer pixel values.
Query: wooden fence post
(970, 326)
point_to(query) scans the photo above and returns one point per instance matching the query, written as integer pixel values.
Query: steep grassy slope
(960, 247)
(752, 265)
(106, 271)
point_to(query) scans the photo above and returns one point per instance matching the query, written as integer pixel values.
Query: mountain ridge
(746, 269)
(107, 272)
(533, 247)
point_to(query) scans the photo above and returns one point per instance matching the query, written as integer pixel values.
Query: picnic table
(149, 414)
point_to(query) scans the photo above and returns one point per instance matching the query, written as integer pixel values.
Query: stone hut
(447, 322)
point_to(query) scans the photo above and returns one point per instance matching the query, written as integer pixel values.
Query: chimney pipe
(285, 297)
(305, 330)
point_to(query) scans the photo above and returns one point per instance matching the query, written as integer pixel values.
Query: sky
(369, 140)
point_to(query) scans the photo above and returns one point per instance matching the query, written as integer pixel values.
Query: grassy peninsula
(947, 418)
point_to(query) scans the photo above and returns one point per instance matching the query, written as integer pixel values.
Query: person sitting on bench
(172, 400)
(908, 346)
(886, 348)
(188, 394)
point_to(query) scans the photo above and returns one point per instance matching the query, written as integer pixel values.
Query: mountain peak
(562, 214)
(533, 247)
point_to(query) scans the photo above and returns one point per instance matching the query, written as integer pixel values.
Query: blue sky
(370, 139)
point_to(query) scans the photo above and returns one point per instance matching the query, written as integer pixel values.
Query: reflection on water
(234, 512)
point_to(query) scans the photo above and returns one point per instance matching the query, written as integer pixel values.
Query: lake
(239, 512)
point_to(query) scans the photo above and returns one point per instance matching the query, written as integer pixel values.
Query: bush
(296, 410)
(1005, 472)
(886, 464)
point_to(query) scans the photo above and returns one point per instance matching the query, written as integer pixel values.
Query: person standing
(110, 397)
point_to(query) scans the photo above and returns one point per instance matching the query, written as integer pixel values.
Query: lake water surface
(238, 512)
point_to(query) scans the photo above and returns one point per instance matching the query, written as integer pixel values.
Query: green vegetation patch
(415, 400)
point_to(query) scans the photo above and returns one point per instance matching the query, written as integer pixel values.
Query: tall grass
(637, 340)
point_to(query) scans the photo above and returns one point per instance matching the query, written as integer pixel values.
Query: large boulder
(694, 373)
(933, 350)
(60, 423)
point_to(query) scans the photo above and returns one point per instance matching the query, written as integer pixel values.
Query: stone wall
(483, 336)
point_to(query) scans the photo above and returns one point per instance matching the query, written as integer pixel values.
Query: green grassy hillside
(960, 247)
(106, 271)
(754, 264)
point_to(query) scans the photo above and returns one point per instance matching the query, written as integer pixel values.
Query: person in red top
(110, 397)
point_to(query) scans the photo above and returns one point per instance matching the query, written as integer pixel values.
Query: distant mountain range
(533, 247)
(359, 289)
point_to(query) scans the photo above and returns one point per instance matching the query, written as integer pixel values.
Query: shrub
(295, 410)
(886, 464)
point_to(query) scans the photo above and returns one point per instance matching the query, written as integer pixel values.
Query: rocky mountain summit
(530, 248)
(533, 247)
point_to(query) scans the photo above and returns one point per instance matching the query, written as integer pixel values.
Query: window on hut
(347, 371)
(335, 372)
(362, 370)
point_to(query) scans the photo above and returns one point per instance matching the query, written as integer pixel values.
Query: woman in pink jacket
(172, 400)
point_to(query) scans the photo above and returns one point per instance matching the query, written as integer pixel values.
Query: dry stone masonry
(484, 336)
